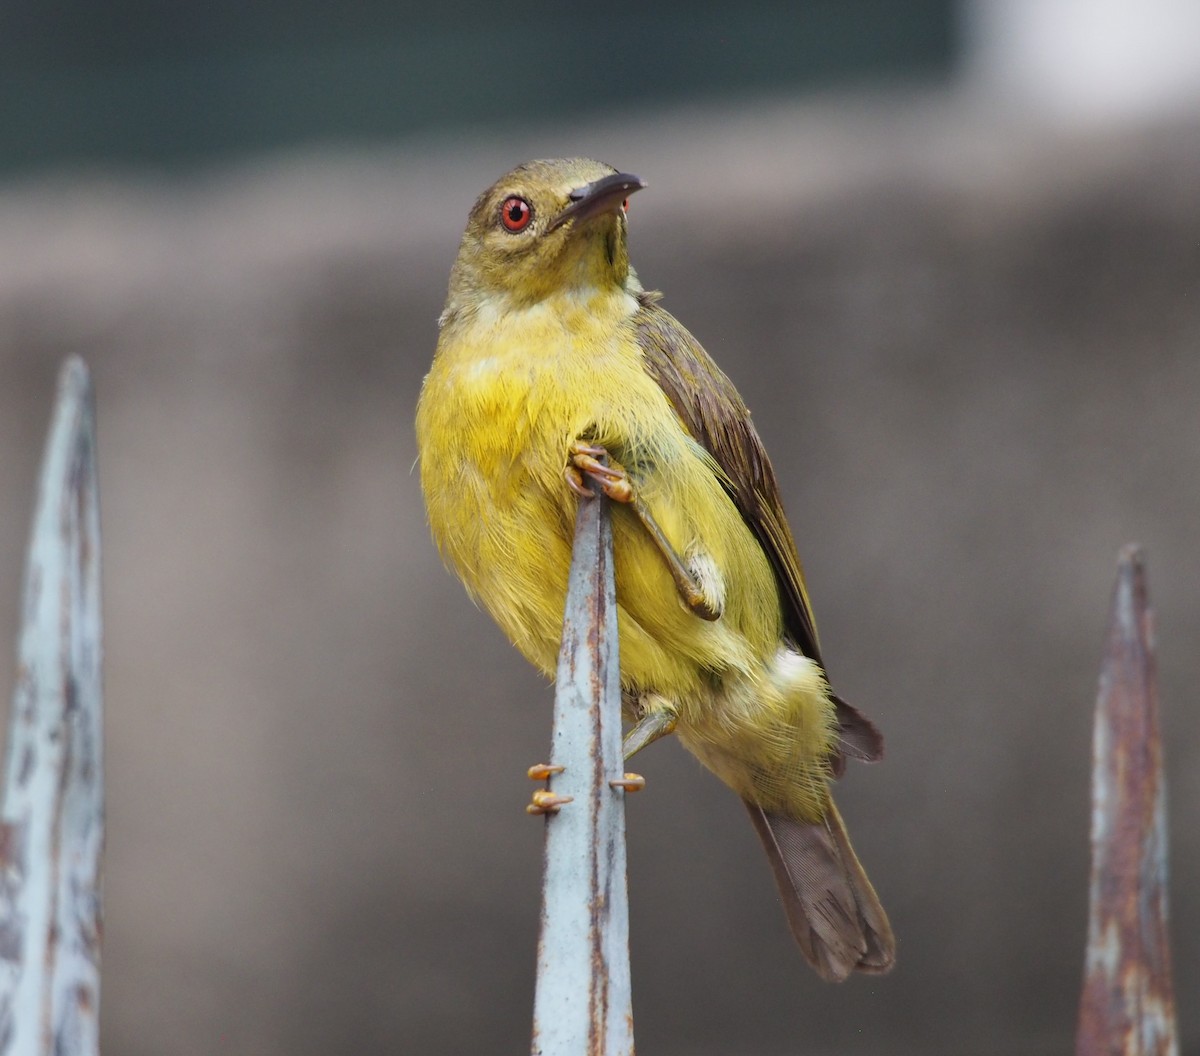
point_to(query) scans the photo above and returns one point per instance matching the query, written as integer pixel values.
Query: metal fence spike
(52, 816)
(1128, 1006)
(583, 1004)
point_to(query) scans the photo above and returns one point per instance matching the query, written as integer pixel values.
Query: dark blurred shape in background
(183, 83)
(949, 255)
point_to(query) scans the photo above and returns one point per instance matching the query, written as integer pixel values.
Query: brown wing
(713, 412)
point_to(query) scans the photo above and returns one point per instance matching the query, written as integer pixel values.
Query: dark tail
(830, 904)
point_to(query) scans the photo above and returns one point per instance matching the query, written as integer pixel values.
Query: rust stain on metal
(1127, 1007)
(598, 998)
(14, 845)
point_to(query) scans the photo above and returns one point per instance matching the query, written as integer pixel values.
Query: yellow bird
(556, 372)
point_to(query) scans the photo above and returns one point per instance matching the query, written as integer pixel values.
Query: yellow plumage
(543, 344)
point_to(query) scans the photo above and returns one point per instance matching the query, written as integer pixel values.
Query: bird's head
(545, 227)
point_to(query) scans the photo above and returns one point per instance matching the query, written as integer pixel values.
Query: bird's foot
(629, 782)
(590, 461)
(544, 801)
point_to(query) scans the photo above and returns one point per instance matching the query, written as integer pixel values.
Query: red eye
(625, 206)
(515, 214)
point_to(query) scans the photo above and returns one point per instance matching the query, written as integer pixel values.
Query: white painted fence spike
(52, 814)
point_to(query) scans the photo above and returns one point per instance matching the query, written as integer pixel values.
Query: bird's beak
(604, 195)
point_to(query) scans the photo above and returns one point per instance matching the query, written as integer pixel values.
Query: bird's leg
(586, 460)
(648, 729)
(686, 582)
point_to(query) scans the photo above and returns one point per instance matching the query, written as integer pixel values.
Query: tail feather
(857, 736)
(831, 907)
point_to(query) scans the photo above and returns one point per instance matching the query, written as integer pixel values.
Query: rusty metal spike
(1128, 1005)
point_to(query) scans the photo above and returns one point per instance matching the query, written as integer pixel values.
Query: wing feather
(714, 414)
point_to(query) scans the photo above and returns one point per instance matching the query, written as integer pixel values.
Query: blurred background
(950, 253)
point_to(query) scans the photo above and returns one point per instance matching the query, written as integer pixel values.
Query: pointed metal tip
(1131, 555)
(74, 375)
(1127, 1005)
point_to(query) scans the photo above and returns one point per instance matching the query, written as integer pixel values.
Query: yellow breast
(507, 393)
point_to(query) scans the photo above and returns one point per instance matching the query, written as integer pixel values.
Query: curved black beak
(600, 196)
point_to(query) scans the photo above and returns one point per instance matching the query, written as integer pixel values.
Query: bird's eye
(625, 206)
(515, 214)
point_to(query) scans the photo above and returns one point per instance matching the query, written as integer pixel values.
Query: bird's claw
(585, 460)
(630, 783)
(546, 802)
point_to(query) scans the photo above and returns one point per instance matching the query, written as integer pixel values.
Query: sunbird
(557, 374)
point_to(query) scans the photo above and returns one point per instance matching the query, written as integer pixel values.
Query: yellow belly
(505, 397)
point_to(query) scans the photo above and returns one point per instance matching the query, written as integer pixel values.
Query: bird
(556, 374)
